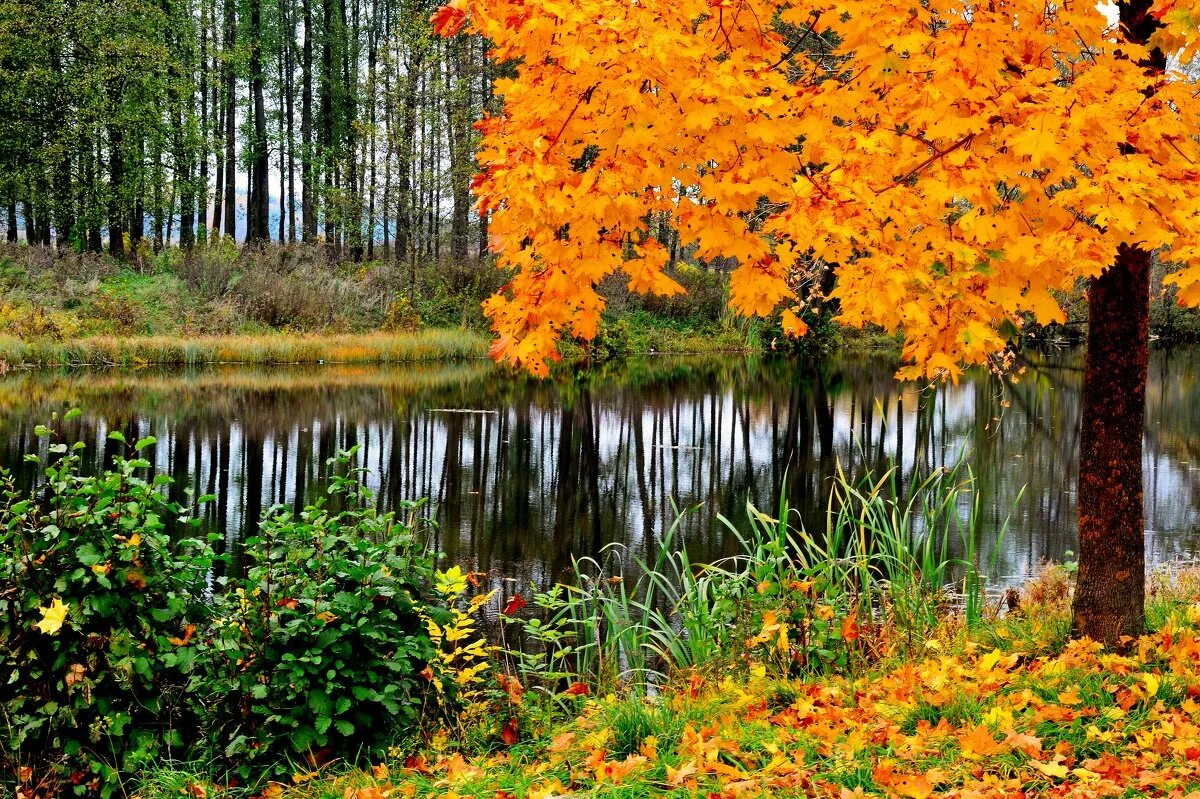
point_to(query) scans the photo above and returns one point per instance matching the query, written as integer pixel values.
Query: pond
(522, 475)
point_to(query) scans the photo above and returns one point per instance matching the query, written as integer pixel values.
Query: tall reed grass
(896, 558)
(280, 348)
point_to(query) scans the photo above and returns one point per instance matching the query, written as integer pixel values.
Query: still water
(522, 475)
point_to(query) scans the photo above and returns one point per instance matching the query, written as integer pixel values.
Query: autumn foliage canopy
(956, 161)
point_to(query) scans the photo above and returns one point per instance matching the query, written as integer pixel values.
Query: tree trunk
(1111, 587)
(257, 226)
(219, 170)
(31, 235)
(1111, 590)
(458, 144)
(116, 187)
(202, 178)
(230, 122)
(308, 204)
(405, 201)
(325, 138)
(289, 91)
(11, 230)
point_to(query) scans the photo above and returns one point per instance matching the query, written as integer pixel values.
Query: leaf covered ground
(996, 719)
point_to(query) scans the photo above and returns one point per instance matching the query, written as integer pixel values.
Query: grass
(277, 348)
(739, 679)
(962, 720)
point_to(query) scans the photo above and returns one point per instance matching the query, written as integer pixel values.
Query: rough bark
(1111, 587)
(1110, 592)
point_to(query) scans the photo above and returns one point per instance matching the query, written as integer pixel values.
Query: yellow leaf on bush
(52, 617)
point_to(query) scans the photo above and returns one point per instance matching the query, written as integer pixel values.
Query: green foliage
(320, 651)
(96, 613)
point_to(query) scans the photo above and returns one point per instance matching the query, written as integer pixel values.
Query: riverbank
(272, 348)
(292, 304)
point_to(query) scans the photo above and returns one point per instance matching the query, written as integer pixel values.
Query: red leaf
(509, 734)
(514, 605)
(577, 689)
(448, 20)
(850, 629)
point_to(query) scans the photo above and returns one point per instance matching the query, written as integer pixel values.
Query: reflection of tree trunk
(926, 405)
(450, 504)
(824, 410)
(252, 479)
(1111, 587)
(591, 465)
(222, 486)
(182, 439)
(639, 455)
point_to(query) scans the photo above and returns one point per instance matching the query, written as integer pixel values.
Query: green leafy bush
(98, 605)
(323, 650)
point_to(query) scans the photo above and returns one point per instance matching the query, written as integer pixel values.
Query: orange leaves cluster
(1085, 723)
(957, 161)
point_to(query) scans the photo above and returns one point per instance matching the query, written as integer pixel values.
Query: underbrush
(863, 658)
(997, 710)
(127, 641)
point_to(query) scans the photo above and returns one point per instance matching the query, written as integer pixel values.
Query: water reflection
(523, 475)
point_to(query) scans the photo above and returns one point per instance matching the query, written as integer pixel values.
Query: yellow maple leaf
(1051, 769)
(53, 617)
(979, 743)
(1152, 685)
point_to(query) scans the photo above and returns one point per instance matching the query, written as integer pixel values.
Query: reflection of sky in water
(559, 470)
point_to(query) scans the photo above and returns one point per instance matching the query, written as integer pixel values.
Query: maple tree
(955, 162)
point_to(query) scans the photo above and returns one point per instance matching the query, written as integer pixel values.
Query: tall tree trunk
(64, 203)
(230, 121)
(202, 179)
(95, 241)
(10, 234)
(219, 153)
(308, 199)
(257, 226)
(64, 217)
(458, 143)
(1111, 589)
(388, 119)
(1110, 592)
(289, 91)
(156, 198)
(373, 102)
(31, 234)
(116, 188)
(137, 211)
(405, 202)
(325, 139)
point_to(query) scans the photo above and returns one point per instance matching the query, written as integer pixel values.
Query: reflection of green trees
(561, 467)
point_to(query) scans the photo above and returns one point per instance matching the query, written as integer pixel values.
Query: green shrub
(322, 651)
(98, 605)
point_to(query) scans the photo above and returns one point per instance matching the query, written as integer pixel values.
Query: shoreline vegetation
(294, 303)
(343, 662)
(287, 304)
